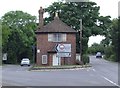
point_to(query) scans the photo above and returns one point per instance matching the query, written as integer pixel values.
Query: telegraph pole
(81, 39)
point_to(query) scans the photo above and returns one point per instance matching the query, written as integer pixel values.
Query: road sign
(5, 56)
(64, 54)
(63, 48)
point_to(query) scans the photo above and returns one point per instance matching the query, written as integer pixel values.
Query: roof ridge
(56, 25)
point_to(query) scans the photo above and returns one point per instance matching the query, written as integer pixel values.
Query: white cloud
(108, 7)
(95, 39)
(29, 6)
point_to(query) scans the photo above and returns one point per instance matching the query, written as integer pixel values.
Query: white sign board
(5, 56)
(63, 48)
(63, 54)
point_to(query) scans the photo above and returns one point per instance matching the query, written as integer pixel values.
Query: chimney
(56, 16)
(41, 21)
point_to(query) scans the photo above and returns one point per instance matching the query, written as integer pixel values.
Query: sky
(107, 7)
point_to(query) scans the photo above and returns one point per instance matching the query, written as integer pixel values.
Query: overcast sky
(107, 7)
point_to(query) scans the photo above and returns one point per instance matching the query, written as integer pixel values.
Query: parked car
(98, 55)
(25, 61)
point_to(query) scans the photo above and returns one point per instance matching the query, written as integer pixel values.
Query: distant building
(56, 42)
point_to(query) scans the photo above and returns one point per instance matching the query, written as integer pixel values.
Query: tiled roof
(56, 26)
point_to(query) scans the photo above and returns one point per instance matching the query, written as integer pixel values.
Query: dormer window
(57, 37)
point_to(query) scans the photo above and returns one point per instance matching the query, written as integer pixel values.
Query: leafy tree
(96, 48)
(18, 35)
(72, 12)
(118, 40)
(115, 34)
(0, 42)
(111, 41)
(5, 36)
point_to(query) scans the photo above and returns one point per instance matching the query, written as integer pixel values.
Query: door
(56, 60)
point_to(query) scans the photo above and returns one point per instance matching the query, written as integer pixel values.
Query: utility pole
(81, 39)
(33, 51)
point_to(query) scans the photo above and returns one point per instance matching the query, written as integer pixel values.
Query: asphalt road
(102, 73)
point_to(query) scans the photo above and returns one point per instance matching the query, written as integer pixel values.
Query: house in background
(56, 42)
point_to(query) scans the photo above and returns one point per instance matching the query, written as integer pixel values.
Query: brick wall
(44, 46)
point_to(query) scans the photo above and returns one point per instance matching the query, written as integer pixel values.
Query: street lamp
(81, 39)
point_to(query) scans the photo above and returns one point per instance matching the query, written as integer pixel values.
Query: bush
(112, 58)
(86, 59)
(108, 51)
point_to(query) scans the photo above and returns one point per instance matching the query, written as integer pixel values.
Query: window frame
(57, 37)
(46, 59)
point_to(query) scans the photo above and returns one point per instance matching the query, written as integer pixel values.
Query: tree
(72, 12)
(115, 34)
(96, 48)
(18, 35)
(111, 41)
(118, 39)
(5, 36)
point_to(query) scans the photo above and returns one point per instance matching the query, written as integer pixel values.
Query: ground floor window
(44, 59)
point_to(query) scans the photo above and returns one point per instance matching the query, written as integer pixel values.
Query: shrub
(112, 58)
(86, 59)
(108, 52)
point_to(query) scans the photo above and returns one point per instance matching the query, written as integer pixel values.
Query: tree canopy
(72, 12)
(18, 35)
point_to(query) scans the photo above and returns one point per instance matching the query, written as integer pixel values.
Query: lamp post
(81, 39)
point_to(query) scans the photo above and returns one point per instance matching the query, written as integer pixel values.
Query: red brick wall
(44, 46)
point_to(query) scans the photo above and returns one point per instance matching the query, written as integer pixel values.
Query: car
(25, 61)
(98, 55)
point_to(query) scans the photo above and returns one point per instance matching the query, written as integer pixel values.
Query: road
(102, 73)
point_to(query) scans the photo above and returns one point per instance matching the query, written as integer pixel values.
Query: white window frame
(57, 37)
(46, 59)
(64, 36)
(50, 37)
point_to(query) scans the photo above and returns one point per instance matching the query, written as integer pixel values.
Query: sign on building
(63, 54)
(63, 48)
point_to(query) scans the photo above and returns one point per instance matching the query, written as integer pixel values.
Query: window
(57, 37)
(44, 59)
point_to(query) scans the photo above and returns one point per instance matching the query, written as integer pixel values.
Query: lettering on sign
(63, 54)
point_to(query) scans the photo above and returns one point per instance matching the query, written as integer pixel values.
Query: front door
(56, 60)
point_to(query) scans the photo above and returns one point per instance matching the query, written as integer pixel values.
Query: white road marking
(107, 79)
(111, 81)
(94, 70)
(87, 70)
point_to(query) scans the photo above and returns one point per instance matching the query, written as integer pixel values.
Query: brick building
(56, 42)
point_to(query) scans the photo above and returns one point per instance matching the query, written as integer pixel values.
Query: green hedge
(86, 59)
